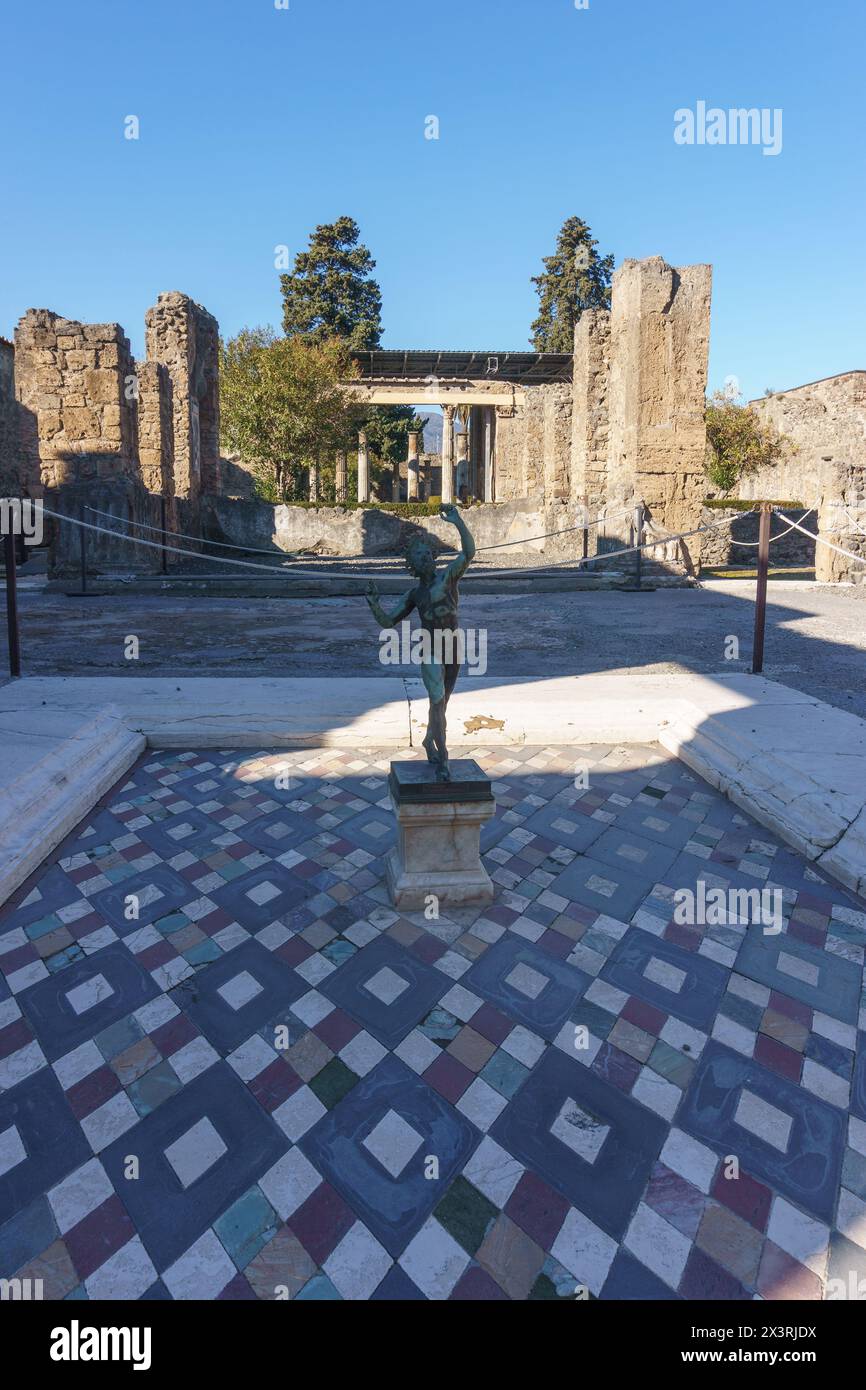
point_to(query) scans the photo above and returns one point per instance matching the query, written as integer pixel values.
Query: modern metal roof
(527, 368)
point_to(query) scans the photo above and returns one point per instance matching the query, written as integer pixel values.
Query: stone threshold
(794, 763)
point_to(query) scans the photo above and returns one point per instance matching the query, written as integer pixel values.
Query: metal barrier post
(12, 606)
(761, 594)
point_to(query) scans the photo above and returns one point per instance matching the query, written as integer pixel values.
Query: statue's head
(419, 558)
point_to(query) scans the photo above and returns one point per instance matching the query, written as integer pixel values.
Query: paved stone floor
(815, 641)
(228, 1069)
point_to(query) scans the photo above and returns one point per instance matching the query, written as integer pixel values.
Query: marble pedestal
(438, 848)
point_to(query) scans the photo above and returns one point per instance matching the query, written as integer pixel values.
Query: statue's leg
(433, 676)
(452, 671)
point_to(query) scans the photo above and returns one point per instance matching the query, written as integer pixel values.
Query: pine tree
(331, 292)
(574, 278)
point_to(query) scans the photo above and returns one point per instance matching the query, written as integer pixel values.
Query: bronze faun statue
(435, 596)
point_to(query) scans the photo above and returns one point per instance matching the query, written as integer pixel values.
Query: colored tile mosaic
(229, 1069)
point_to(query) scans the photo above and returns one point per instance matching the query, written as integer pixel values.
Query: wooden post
(761, 594)
(638, 533)
(12, 606)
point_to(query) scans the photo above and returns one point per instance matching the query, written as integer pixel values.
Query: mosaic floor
(228, 1069)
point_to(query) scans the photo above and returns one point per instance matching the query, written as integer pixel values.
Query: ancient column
(314, 482)
(395, 481)
(462, 480)
(412, 468)
(363, 467)
(447, 453)
(488, 453)
(341, 477)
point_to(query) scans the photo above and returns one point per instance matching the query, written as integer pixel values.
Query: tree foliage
(282, 406)
(574, 278)
(388, 429)
(331, 292)
(739, 441)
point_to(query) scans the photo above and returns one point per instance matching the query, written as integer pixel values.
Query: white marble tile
(126, 1274)
(393, 1142)
(202, 1272)
(493, 1171)
(196, 1152)
(80, 1194)
(358, 1265)
(658, 1245)
(584, 1250)
(800, 1235)
(289, 1183)
(299, 1113)
(240, 990)
(434, 1261)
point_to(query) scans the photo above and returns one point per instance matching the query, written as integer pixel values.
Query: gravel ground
(815, 642)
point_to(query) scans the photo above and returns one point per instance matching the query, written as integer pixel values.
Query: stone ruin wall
(509, 445)
(96, 429)
(11, 473)
(660, 323)
(590, 415)
(637, 424)
(184, 337)
(826, 421)
(73, 380)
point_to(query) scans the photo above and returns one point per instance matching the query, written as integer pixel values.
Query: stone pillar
(589, 419)
(659, 339)
(12, 473)
(363, 467)
(341, 481)
(448, 453)
(489, 427)
(395, 481)
(78, 390)
(462, 470)
(412, 468)
(78, 382)
(156, 428)
(313, 490)
(185, 338)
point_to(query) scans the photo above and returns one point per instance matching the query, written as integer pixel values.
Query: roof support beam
(435, 393)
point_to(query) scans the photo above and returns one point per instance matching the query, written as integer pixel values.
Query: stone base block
(438, 850)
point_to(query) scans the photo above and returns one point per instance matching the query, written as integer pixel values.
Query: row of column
(413, 476)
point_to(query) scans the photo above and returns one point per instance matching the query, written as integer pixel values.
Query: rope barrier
(822, 541)
(255, 550)
(176, 550)
(569, 530)
(200, 540)
(754, 544)
(285, 573)
(630, 549)
(857, 527)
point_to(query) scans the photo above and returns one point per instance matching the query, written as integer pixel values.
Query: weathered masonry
(619, 420)
(826, 420)
(138, 441)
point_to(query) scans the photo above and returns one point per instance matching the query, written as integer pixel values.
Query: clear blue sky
(256, 123)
